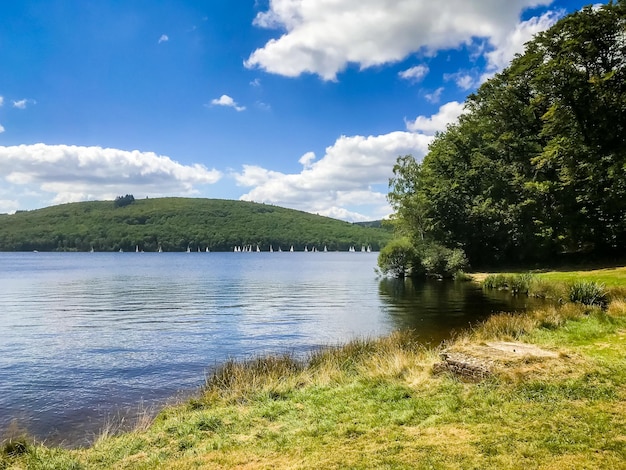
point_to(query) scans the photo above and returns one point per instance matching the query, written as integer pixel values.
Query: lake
(89, 338)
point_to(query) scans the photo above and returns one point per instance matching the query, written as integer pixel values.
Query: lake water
(87, 338)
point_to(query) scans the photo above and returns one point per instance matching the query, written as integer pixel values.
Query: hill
(177, 223)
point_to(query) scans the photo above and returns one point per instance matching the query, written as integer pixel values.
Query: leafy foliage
(589, 293)
(177, 223)
(121, 201)
(399, 258)
(537, 164)
(402, 257)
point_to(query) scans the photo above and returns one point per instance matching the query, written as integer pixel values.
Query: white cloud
(511, 43)
(1, 129)
(307, 159)
(414, 74)
(1, 100)
(448, 113)
(323, 36)
(463, 80)
(8, 206)
(435, 96)
(227, 101)
(74, 173)
(21, 104)
(164, 38)
(341, 183)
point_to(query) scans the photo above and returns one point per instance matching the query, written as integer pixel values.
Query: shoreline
(344, 407)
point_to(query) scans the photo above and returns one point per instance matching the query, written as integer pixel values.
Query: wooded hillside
(177, 223)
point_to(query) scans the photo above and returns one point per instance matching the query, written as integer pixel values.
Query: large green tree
(537, 164)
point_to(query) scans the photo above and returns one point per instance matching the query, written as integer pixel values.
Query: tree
(537, 163)
(121, 201)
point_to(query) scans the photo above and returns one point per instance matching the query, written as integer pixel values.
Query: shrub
(520, 283)
(399, 259)
(495, 281)
(516, 283)
(589, 293)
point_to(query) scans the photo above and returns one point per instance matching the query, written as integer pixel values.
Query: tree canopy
(536, 165)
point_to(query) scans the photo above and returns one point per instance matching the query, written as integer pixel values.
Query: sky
(304, 104)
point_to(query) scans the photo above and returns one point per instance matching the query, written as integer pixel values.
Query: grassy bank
(378, 404)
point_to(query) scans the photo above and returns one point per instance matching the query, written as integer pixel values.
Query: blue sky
(299, 103)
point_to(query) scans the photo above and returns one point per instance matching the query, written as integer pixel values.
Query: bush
(399, 259)
(402, 258)
(516, 283)
(589, 293)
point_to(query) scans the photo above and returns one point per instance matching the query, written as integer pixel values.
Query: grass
(593, 287)
(375, 403)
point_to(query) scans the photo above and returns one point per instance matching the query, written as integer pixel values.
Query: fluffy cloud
(74, 173)
(323, 36)
(1, 100)
(164, 38)
(350, 181)
(448, 113)
(511, 43)
(227, 101)
(1, 129)
(414, 74)
(343, 182)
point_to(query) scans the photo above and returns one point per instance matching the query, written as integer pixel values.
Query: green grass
(610, 277)
(376, 404)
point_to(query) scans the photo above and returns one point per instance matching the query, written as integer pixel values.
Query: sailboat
(92, 250)
(136, 248)
(291, 249)
(160, 249)
(325, 249)
(188, 249)
(271, 249)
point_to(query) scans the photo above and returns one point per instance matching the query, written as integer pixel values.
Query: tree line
(535, 168)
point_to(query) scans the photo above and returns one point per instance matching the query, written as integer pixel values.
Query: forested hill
(177, 223)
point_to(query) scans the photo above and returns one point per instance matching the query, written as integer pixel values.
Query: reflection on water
(84, 337)
(436, 309)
